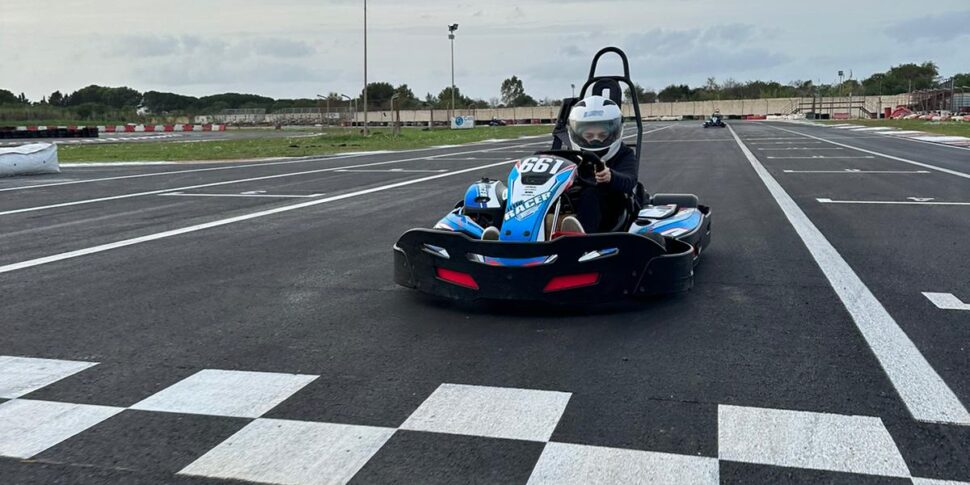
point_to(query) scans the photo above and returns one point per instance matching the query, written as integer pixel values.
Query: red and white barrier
(133, 128)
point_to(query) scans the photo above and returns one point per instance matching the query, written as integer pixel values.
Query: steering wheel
(587, 164)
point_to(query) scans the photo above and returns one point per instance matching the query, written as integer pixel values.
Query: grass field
(330, 141)
(957, 128)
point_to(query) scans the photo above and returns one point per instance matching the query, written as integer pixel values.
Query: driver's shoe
(490, 234)
(571, 224)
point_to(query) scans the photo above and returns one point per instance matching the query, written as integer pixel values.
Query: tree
(56, 99)
(6, 97)
(512, 90)
(158, 102)
(378, 95)
(406, 98)
(675, 92)
(961, 79)
(643, 95)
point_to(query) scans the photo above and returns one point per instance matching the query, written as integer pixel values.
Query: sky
(300, 48)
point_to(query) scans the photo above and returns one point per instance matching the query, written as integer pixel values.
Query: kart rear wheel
(682, 200)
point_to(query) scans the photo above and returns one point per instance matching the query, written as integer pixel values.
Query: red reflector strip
(457, 278)
(559, 283)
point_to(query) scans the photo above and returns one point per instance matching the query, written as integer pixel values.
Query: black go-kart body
(650, 248)
(715, 122)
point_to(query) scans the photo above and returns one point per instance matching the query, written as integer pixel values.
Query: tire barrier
(93, 131)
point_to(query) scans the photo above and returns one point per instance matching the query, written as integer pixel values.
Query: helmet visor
(595, 135)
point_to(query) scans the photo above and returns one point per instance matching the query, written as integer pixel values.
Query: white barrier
(36, 158)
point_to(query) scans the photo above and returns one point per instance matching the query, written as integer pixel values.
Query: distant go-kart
(650, 248)
(715, 120)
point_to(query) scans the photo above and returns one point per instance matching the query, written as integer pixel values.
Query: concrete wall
(855, 107)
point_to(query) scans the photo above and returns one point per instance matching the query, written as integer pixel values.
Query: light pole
(354, 101)
(451, 36)
(365, 71)
(328, 110)
(574, 89)
(394, 120)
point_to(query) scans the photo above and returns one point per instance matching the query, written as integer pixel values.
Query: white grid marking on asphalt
(853, 444)
(292, 452)
(226, 393)
(22, 375)
(29, 427)
(564, 463)
(495, 412)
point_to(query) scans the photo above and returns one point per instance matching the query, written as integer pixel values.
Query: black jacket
(626, 169)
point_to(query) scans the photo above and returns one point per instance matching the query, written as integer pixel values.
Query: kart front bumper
(576, 269)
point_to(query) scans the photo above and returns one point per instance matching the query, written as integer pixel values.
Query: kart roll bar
(625, 78)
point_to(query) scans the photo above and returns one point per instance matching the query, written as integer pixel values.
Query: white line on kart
(891, 157)
(823, 200)
(817, 157)
(222, 222)
(946, 301)
(228, 182)
(922, 390)
(183, 194)
(856, 170)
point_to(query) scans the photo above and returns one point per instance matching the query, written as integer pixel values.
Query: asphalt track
(244, 325)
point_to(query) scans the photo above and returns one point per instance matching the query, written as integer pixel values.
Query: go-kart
(649, 248)
(716, 121)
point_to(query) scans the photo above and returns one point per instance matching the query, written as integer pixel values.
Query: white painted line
(292, 452)
(855, 170)
(942, 138)
(494, 412)
(116, 164)
(905, 133)
(392, 170)
(226, 393)
(215, 184)
(883, 155)
(241, 165)
(568, 464)
(221, 222)
(947, 301)
(874, 128)
(20, 376)
(783, 143)
(29, 427)
(925, 394)
(271, 196)
(819, 441)
(887, 202)
(815, 157)
(800, 148)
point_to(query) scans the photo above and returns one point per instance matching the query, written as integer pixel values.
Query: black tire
(682, 200)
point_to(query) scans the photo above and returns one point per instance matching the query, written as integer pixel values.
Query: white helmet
(596, 125)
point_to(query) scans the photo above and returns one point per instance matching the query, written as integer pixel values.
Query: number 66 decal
(540, 165)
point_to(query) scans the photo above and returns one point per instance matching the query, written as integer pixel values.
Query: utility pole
(366, 132)
(574, 89)
(451, 36)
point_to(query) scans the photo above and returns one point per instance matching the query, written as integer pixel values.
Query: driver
(596, 126)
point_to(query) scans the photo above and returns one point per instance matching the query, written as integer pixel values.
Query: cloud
(715, 50)
(156, 46)
(285, 48)
(935, 28)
